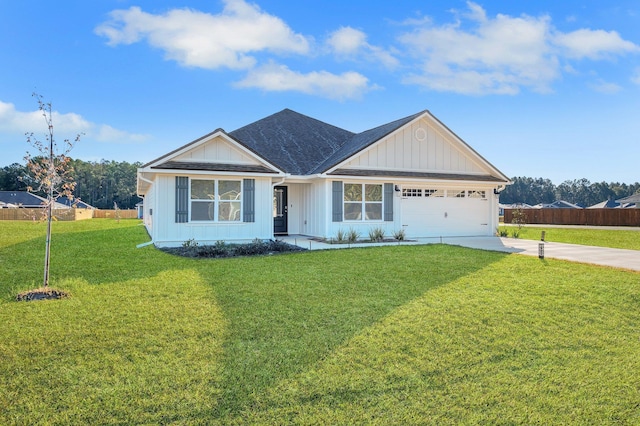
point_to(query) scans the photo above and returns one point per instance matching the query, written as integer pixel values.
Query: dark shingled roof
(293, 142)
(21, 198)
(300, 145)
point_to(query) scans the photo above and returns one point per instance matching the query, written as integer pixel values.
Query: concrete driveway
(617, 258)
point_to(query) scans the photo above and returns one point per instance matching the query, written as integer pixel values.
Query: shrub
(376, 234)
(503, 232)
(341, 236)
(253, 248)
(400, 235)
(519, 218)
(352, 235)
(515, 233)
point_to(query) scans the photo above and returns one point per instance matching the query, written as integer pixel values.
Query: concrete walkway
(617, 258)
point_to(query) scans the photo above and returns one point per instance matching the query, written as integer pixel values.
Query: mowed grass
(393, 335)
(622, 239)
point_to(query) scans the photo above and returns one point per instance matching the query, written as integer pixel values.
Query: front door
(280, 210)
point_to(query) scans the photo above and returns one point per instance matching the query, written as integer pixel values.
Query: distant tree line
(100, 184)
(582, 192)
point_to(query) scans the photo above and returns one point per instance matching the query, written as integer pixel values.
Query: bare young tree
(51, 172)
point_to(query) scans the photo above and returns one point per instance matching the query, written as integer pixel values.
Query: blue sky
(539, 88)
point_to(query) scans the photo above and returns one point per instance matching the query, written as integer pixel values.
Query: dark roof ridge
(307, 117)
(291, 141)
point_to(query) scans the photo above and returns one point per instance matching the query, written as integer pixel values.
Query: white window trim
(216, 202)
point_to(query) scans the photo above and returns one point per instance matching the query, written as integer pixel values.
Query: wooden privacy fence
(596, 217)
(111, 214)
(38, 213)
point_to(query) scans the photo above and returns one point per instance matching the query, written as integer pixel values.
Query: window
(229, 196)
(434, 192)
(362, 201)
(411, 192)
(456, 193)
(477, 194)
(216, 200)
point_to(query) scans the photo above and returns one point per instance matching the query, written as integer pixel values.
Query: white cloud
(593, 44)
(199, 39)
(501, 54)
(605, 87)
(65, 126)
(279, 78)
(348, 42)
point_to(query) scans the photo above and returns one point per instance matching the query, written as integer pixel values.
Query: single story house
(75, 203)
(24, 199)
(631, 199)
(292, 174)
(502, 207)
(559, 204)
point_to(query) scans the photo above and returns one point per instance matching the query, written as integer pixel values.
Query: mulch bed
(222, 249)
(43, 293)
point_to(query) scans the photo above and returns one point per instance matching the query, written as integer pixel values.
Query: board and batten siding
(148, 207)
(419, 147)
(168, 233)
(216, 150)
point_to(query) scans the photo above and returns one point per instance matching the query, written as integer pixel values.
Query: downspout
(495, 217)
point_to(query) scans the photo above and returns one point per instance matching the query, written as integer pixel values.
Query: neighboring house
(609, 204)
(502, 207)
(632, 199)
(292, 174)
(78, 204)
(560, 204)
(24, 199)
(612, 204)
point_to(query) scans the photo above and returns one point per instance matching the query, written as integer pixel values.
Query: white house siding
(303, 212)
(149, 208)
(418, 147)
(216, 150)
(307, 213)
(168, 233)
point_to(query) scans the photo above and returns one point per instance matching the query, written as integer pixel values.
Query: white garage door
(433, 213)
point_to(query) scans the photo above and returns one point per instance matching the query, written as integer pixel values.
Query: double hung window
(216, 200)
(362, 201)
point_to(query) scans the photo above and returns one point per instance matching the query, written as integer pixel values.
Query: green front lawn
(391, 335)
(589, 237)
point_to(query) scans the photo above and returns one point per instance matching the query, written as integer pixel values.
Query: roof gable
(216, 151)
(419, 145)
(362, 140)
